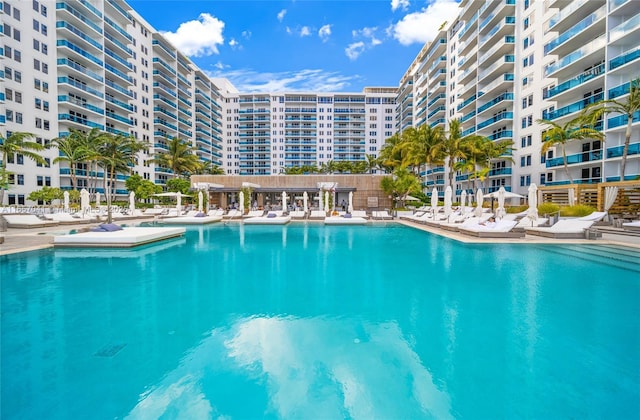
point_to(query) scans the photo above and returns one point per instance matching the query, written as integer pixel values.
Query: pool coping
(45, 236)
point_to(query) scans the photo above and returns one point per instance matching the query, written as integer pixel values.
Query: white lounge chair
(233, 213)
(360, 213)
(346, 219)
(596, 216)
(191, 220)
(563, 229)
(254, 213)
(27, 221)
(632, 226)
(68, 218)
(381, 215)
(317, 214)
(297, 214)
(216, 212)
(501, 229)
(270, 218)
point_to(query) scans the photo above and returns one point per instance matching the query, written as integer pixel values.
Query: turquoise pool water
(313, 322)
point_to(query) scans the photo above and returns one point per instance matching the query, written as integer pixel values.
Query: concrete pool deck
(22, 240)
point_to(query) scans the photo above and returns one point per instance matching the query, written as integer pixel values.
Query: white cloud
(354, 50)
(233, 43)
(315, 80)
(246, 34)
(305, 31)
(199, 37)
(219, 65)
(282, 14)
(324, 33)
(423, 26)
(289, 31)
(395, 4)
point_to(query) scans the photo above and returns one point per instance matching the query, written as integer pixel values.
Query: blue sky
(335, 45)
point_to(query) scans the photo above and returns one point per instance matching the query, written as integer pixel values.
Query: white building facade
(500, 66)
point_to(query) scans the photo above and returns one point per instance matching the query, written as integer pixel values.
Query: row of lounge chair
(511, 226)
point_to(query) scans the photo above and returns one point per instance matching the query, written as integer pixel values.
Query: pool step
(620, 257)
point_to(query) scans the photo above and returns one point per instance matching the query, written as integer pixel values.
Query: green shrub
(576, 211)
(548, 208)
(516, 209)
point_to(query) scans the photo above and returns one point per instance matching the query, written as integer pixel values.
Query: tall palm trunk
(625, 150)
(566, 167)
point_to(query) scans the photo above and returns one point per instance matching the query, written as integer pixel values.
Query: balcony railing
(499, 117)
(576, 81)
(624, 58)
(613, 152)
(507, 96)
(575, 29)
(622, 120)
(596, 44)
(574, 107)
(577, 158)
(624, 28)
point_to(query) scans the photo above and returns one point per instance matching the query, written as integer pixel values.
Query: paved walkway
(22, 240)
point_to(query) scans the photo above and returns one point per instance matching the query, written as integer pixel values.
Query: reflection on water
(331, 368)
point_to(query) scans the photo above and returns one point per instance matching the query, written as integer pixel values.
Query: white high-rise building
(504, 65)
(499, 67)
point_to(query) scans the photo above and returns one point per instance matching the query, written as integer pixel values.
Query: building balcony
(500, 117)
(576, 11)
(507, 96)
(572, 108)
(79, 54)
(575, 159)
(624, 58)
(80, 86)
(502, 66)
(159, 62)
(506, 27)
(80, 69)
(79, 120)
(625, 28)
(504, 134)
(72, 14)
(499, 84)
(580, 58)
(78, 104)
(615, 152)
(500, 172)
(167, 51)
(622, 121)
(579, 34)
(65, 29)
(579, 80)
(500, 48)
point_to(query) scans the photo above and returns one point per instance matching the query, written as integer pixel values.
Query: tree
(453, 147)
(372, 163)
(390, 156)
(46, 195)
(423, 147)
(628, 108)
(17, 143)
(208, 168)
(117, 154)
(78, 147)
(578, 128)
(180, 157)
(178, 184)
(400, 185)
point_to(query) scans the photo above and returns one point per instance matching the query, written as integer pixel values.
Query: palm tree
(391, 153)
(453, 146)
(629, 108)
(372, 163)
(208, 168)
(71, 150)
(180, 157)
(578, 128)
(117, 154)
(423, 146)
(17, 143)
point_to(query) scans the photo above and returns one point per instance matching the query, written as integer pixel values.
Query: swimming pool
(310, 321)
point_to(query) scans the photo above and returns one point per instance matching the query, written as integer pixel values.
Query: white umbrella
(179, 202)
(132, 201)
(470, 197)
(532, 212)
(85, 205)
(500, 211)
(200, 201)
(572, 196)
(411, 198)
(66, 200)
(284, 201)
(350, 202)
(610, 195)
(241, 202)
(434, 199)
(479, 198)
(98, 200)
(507, 195)
(448, 192)
(326, 201)
(305, 201)
(320, 198)
(463, 201)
